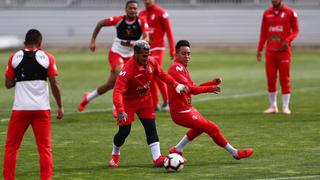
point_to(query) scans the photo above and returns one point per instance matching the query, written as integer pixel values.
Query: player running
(129, 28)
(159, 25)
(185, 115)
(132, 95)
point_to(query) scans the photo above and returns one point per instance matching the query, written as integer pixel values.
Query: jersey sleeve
(165, 77)
(263, 33)
(294, 27)
(169, 33)
(10, 70)
(120, 87)
(52, 69)
(114, 20)
(143, 23)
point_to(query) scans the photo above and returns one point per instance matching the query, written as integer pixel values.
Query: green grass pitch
(286, 147)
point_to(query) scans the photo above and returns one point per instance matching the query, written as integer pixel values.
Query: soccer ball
(173, 162)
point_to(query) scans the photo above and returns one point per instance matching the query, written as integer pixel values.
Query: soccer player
(129, 28)
(132, 95)
(185, 115)
(159, 25)
(28, 70)
(279, 28)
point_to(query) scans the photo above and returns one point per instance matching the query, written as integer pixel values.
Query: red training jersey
(133, 83)
(278, 25)
(182, 103)
(159, 25)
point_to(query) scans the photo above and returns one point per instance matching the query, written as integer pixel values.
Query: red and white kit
(137, 98)
(31, 106)
(126, 31)
(183, 113)
(159, 25)
(278, 26)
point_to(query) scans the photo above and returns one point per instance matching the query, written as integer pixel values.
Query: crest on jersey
(122, 73)
(153, 16)
(150, 69)
(283, 14)
(179, 68)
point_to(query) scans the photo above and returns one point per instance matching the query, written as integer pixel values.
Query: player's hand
(92, 45)
(259, 56)
(60, 113)
(217, 80)
(181, 87)
(284, 45)
(172, 55)
(216, 89)
(122, 116)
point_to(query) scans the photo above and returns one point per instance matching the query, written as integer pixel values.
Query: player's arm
(165, 77)
(10, 80)
(55, 88)
(262, 39)
(169, 33)
(214, 82)
(145, 29)
(120, 87)
(294, 27)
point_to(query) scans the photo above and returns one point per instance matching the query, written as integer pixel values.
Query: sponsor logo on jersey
(179, 68)
(150, 69)
(122, 73)
(276, 28)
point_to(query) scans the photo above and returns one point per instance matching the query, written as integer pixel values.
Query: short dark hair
(141, 44)
(129, 2)
(181, 43)
(33, 37)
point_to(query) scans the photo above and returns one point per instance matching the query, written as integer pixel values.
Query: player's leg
(120, 137)
(18, 125)
(196, 121)
(118, 141)
(116, 63)
(147, 117)
(271, 72)
(159, 54)
(41, 125)
(284, 73)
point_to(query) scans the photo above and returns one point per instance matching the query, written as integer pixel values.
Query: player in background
(28, 70)
(279, 28)
(159, 25)
(129, 29)
(185, 115)
(132, 95)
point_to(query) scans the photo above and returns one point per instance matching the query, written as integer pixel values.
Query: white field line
(237, 96)
(293, 177)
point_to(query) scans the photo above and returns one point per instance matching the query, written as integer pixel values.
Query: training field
(286, 147)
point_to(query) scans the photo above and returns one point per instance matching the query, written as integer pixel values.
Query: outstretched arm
(95, 33)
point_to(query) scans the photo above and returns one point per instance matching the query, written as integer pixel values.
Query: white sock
(273, 99)
(115, 150)
(155, 150)
(92, 95)
(285, 101)
(183, 142)
(231, 150)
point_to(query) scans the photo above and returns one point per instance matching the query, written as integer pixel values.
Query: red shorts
(144, 110)
(116, 59)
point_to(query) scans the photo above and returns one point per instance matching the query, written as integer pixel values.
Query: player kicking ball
(185, 115)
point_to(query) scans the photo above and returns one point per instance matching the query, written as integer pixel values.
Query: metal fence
(113, 4)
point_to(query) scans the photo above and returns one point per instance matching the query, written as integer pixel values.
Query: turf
(285, 146)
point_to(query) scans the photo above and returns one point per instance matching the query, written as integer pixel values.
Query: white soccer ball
(174, 162)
